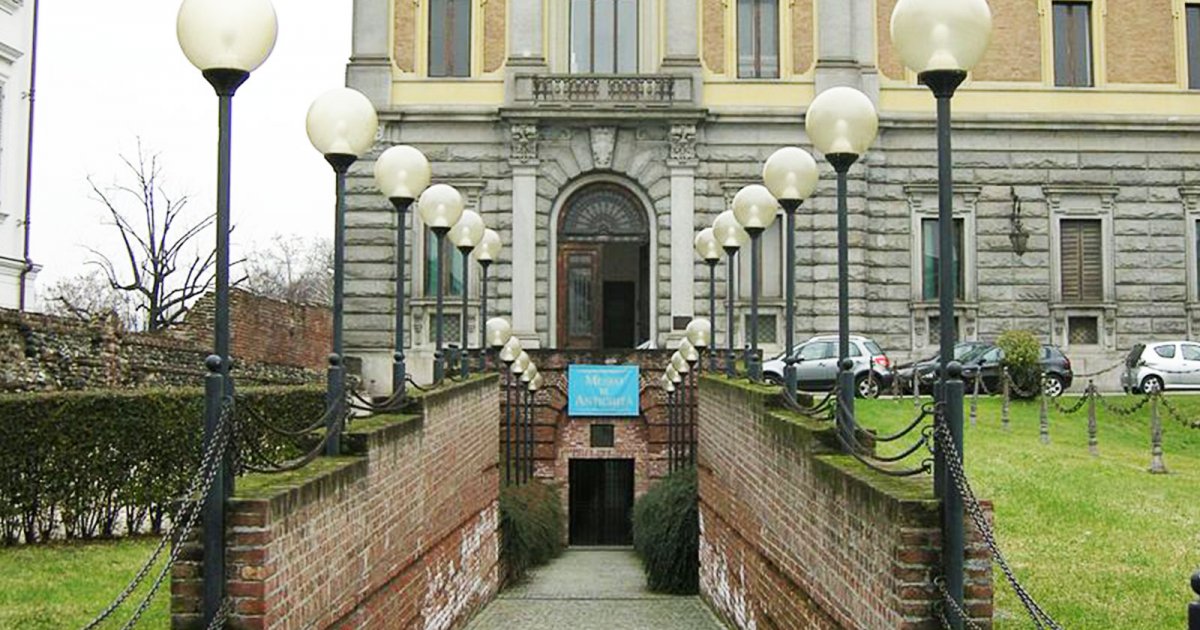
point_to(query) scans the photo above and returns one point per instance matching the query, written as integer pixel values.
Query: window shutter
(1082, 260)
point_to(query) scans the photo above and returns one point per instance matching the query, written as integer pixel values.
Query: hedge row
(666, 534)
(100, 463)
(531, 526)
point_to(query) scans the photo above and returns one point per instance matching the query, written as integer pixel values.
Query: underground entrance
(601, 502)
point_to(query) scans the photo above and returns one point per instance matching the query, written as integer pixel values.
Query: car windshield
(975, 353)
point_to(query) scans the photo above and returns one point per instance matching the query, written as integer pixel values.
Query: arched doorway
(603, 269)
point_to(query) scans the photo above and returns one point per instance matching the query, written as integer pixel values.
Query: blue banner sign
(603, 390)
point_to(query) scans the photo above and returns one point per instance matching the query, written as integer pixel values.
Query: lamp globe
(790, 174)
(468, 231)
(440, 206)
(498, 332)
(232, 35)
(933, 35)
(730, 234)
(699, 332)
(402, 172)
(842, 121)
(488, 249)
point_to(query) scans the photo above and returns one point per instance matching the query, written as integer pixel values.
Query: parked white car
(1159, 365)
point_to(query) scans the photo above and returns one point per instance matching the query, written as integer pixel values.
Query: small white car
(1159, 365)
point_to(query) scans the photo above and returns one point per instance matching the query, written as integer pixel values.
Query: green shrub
(531, 528)
(81, 462)
(666, 534)
(1022, 357)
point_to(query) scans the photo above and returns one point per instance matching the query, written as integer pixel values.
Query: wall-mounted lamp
(1017, 233)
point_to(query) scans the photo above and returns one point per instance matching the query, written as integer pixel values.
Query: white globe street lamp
(226, 40)
(440, 207)
(754, 207)
(509, 354)
(941, 40)
(731, 237)
(791, 176)
(485, 254)
(842, 123)
(341, 125)
(466, 234)
(401, 173)
(709, 251)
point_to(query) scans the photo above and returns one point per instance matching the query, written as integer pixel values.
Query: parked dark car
(986, 365)
(926, 369)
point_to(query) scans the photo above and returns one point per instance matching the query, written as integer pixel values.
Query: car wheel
(866, 387)
(1152, 384)
(773, 378)
(1052, 386)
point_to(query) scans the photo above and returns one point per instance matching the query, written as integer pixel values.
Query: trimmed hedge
(531, 527)
(1022, 357)
(96, 463)
(666, 534)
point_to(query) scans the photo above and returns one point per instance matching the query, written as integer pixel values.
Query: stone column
(524, 164)
(525, 44)
(370, 70)
(682, 162)
(846, 48)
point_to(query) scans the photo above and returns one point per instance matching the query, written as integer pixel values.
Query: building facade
(16, 27)
(597, 136)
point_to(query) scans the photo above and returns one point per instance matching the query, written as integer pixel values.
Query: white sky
(109, 72)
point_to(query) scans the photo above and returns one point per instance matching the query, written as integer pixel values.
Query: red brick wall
(559, 438)
(403, 537)
(265, 330)
(794, 536)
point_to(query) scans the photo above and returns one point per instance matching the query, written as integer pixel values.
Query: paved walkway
(601, 589)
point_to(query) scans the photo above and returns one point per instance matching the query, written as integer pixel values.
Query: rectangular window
(1082, 261)
(1192, 11)
(771, 257)
(930, 259)
(450, 38)
(766, 328)
(935, 329)
(1073, 44)
(603, 436)
(452, 277)
(758, 39)
(1083, 330)
(604, 36)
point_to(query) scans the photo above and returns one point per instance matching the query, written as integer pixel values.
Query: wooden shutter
(1082, 260)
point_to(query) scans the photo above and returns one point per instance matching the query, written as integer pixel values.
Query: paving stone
(602, 589)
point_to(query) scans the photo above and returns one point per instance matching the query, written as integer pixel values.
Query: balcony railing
(619, 91)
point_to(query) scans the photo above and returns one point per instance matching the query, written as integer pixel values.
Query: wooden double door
(603, 295)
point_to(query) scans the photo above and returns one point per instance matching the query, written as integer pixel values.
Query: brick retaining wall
(794, 535)
(403, 536)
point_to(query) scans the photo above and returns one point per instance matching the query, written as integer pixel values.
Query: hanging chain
(954, 462)
(201, 484)
(940, 583)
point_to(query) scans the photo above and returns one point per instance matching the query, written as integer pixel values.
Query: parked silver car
(817, 369)
(1159, 365)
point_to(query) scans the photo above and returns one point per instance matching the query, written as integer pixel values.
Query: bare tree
(294, 269)
(89, 295)
(162, 268)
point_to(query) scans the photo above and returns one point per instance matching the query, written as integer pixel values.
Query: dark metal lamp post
(226, 40)
(791, 176)
(402, 173)
(842, 123)
(941, 41)
(691, 356)
(668, 387)
(731, 237)
(486, 253)
(755, 208)
(510, 350)
(710, 252)
(535, 384)
(341, 125)
(440, 207)
(466, 235)
(526, 441)
(515, 369)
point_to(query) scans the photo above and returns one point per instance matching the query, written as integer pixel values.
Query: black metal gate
(601, 501)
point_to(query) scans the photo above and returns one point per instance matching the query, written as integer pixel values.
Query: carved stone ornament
(524, 142)
(683, 143)
(604, 140)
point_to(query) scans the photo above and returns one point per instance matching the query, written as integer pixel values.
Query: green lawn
(1098, 541)
(64, 586)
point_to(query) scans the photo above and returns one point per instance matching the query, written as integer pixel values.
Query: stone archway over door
(603, 269)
